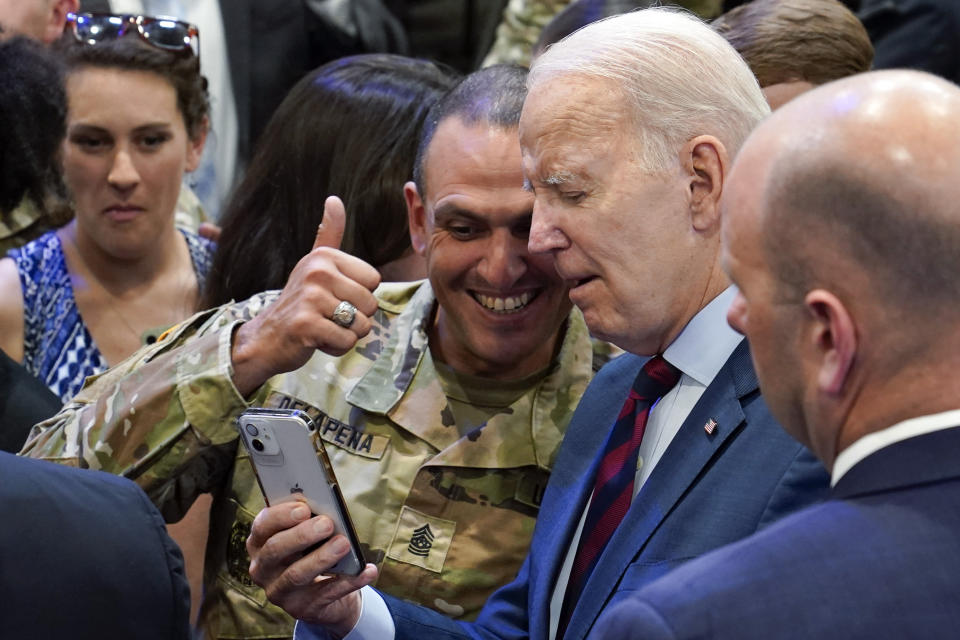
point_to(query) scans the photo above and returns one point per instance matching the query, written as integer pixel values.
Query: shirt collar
(873, 442)
(707, 341)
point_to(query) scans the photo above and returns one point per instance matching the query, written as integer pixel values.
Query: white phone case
(289, 467)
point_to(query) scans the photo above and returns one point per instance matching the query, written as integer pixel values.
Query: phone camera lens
(257, 444)
(252, 430)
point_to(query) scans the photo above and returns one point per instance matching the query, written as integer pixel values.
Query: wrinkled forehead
(564, 114)
(575, 100)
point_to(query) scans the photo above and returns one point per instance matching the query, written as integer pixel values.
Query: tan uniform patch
(421, 540)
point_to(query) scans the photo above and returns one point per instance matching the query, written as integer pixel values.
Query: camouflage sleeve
(523, 20)
(163, 418)
(189, 212)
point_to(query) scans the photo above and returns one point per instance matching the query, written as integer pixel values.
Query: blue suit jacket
(706, 491)
(880, 560)
(85, 555)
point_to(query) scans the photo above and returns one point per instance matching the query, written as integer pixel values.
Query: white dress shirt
(700, 351)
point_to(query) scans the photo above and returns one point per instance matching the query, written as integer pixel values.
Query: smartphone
(290, 467)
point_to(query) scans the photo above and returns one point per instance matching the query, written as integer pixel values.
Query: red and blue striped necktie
(613, 489)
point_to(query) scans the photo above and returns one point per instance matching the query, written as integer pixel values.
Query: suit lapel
(686, 456)
(572, 481)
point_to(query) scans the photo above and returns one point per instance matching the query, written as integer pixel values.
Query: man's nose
(504, 261)
(545, 236)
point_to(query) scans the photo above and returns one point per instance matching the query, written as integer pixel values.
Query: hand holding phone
(289, 467)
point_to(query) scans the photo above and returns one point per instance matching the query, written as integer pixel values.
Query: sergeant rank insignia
(421, 541)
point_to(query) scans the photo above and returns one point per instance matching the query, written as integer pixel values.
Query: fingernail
(323, 527)
(300, 512)
(340, 545)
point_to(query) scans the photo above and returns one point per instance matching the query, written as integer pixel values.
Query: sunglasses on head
(164, 33)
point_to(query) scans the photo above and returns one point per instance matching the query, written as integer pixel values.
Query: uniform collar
(403, 385)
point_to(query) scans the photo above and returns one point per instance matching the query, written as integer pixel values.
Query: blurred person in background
(793, 46)
(38, 209)
(41, 20)
(349, 128)
(33, 110)
(914, 34)
(524, 21)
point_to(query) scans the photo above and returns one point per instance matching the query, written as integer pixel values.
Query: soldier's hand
(296, 583)
(284, 336)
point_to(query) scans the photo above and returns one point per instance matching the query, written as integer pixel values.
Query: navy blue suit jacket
(706, 491)
(879, 560)
(85, 555)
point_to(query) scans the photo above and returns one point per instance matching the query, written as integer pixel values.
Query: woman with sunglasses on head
(82, 298)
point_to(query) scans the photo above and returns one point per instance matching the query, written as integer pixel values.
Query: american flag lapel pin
(710, 426)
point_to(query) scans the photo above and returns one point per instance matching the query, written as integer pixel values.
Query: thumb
(330, 231)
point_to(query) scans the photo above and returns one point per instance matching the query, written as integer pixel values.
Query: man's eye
(572, 197)
(461, 231)
(522, 230)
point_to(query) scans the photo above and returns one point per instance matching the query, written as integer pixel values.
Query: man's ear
(705, 161)
(833, 339)
(58, 17)
(195, 146)
(417, 218)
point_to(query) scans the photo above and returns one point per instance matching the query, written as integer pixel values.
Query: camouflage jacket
(523, 20)
(448, 519)
(23, 224)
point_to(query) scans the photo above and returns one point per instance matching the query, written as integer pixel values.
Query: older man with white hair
(627, 133)
(842, 232)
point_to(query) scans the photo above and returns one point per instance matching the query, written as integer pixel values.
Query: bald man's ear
(58, 17)
(704, 160)
(417, 218)
(832, 336)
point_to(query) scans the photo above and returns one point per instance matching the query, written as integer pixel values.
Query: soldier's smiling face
(501, 309)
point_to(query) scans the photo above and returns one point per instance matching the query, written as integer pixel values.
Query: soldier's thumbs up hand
(330, 230)
(326, 304)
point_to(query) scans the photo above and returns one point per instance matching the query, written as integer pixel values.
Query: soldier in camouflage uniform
(523, 20)
(442, 443)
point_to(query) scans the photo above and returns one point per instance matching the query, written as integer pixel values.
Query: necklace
(112, 300)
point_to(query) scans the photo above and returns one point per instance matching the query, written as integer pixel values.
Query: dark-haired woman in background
(82, 298)
(33, 110)
(350, 129)
(32, 196)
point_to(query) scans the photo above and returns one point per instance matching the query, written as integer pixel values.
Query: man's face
(781, 93)
(761, 310)
(37, 19)
(619, 236)
(500, 309)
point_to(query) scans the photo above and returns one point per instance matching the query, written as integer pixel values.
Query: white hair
(682, 78)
